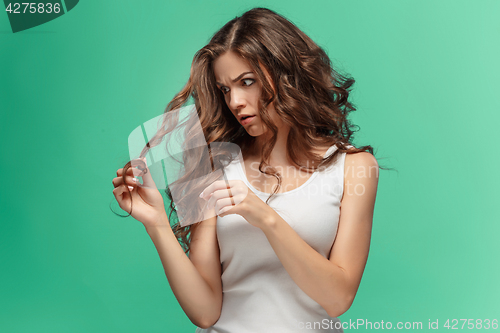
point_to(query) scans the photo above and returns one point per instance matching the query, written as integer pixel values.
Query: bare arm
(333, 282)
(195, 281)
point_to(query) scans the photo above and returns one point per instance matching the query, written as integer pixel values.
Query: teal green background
(73, 89)
(27, 15)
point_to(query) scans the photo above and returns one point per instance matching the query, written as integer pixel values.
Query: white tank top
(258, 293)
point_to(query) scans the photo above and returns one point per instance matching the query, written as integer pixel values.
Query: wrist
(160, 223)
(270, 221)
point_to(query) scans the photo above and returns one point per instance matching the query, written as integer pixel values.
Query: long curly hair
(308, 95)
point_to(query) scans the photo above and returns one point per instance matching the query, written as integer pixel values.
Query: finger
(130, 170)
(121, 198)
(239, 198)
(222, 203)
(135, 172)
(119, 181)
(217, 185)
(147, 179)
(224, 210)
(217, 196)
(237, 193)
(118, 191)
(220, 194)
(129, 179)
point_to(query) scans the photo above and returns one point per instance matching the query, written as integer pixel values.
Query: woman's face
(242, 89)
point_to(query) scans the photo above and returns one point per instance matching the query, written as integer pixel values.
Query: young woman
(286, 250)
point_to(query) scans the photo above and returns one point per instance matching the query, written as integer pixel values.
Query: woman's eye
(246, 83)
(251, 81)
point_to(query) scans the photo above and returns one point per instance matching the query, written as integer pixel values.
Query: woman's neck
(278, 154)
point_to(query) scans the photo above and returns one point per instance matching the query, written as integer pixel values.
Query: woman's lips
(247, 120)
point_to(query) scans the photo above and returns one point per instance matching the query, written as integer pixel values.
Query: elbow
(205, 321)
(338, 308)
(207, 317)
(203, 324)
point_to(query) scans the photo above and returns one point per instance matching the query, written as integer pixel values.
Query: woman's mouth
(246, 120)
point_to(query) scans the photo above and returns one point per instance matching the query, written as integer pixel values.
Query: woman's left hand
(237, 198)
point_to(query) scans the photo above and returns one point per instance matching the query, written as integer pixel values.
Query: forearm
(193, 293)
(320, 279)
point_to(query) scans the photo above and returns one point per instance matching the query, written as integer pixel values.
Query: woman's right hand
(147, 201)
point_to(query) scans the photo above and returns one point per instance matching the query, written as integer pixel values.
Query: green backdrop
(74, 88)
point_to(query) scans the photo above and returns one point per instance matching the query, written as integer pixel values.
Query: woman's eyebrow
(234, 80)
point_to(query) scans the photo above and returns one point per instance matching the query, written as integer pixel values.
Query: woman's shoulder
(361, 167)
(362, 158)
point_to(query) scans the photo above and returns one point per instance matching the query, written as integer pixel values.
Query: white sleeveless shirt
(258, 293)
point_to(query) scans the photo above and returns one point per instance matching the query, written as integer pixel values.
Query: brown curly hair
(308, 94)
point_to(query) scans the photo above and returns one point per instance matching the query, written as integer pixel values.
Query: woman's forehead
(230, 65)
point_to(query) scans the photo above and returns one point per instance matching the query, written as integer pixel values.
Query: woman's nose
(237, 99)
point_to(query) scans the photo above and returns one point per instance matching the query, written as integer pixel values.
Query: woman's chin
(255, 132)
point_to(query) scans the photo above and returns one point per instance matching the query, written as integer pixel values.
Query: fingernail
(201, 195)
(130, 188)
(134, 180)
